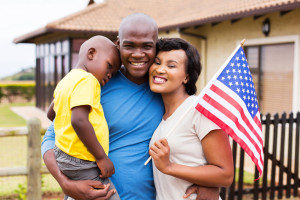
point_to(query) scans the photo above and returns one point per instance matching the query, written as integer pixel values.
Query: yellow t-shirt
(78, 88)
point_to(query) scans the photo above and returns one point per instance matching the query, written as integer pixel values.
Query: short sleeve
(203, 125)
(85, 92)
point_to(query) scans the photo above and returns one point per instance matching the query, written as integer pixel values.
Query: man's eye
(148, 47)
(110, 66)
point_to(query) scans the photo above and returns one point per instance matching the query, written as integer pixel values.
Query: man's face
(137, 45)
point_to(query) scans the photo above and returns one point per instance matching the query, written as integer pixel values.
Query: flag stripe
(239, 109)
(244, 136)
(233, 127)
(232, 134)
(230, 101)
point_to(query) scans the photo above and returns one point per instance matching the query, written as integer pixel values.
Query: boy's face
(137, 45)
(106, 63)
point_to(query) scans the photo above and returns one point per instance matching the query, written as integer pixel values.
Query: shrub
(12, 90)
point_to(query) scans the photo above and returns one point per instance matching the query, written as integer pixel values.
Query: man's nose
(138, 53)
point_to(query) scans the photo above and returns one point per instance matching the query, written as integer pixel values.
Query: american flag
(229, 100)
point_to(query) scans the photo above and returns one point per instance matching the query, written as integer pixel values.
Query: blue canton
(236, 76)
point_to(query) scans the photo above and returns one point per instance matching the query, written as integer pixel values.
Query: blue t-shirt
(132, 112)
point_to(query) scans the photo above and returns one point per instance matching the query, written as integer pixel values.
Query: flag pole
(199, 96)
(243, 42)
(175, 126)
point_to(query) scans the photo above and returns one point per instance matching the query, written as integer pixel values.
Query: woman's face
(167, 74)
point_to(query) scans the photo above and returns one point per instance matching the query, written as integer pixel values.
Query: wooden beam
(284, 12)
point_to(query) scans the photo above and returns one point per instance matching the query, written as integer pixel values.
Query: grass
(14, 154)
(10, 119)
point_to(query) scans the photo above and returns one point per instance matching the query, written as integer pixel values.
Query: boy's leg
(77, 169)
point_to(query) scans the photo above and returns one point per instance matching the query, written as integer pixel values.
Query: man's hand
(87, 190)
(203, 193)
(82, 189)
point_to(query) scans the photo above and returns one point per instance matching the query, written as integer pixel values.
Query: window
(272, 70)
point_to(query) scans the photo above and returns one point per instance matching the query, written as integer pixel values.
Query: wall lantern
(266, 27)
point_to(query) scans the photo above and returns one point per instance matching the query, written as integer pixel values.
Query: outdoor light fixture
(266, 27)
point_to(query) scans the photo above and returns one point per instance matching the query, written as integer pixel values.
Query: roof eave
(232, 16)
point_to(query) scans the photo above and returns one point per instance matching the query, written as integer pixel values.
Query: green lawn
(14, 153)
(10, 119)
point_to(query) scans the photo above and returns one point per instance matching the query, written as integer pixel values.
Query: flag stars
(239, 71)
(238, 64)
(230, 84)
(233, 71)
(238, 90)
(237, 58)
(227, 71)
(232, 64)
(223, 78)
(236, 83)
(243, 59)
(228, 77)
(235, 77)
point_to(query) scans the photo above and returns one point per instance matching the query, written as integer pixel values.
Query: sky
(18, 17)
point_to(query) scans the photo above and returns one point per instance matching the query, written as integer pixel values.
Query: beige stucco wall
(222, 39)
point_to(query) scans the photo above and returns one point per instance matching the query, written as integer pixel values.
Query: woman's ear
(91, 53)
(187, 78)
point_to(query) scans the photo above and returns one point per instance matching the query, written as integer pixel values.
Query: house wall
(222, 38)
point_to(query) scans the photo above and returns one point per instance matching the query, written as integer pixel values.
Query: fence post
(34, 159)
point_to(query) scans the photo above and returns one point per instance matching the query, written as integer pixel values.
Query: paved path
(28, 112)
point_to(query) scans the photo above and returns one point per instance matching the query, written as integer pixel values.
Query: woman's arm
(217, 173)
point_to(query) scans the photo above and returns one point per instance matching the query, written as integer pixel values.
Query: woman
(197, 151)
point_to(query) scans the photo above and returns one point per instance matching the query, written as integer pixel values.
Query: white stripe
(241, 103)
(236, 113)
(230, 123)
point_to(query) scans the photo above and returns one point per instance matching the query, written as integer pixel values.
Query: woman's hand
(160, 153)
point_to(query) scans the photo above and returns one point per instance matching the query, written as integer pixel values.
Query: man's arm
(83, 189)
(208, 193)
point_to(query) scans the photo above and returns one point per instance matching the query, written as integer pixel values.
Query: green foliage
(1, 94)
(25, 90)
(21, 192)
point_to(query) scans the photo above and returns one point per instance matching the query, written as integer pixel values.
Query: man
(132, 112)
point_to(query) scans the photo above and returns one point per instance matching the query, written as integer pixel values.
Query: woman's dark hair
(193, 65)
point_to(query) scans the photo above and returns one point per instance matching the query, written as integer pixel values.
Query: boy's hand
(106, 166)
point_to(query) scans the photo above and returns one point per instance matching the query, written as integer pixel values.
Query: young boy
(82, 137)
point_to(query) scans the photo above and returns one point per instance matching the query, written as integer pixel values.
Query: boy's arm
(85, 131)
(51, 114)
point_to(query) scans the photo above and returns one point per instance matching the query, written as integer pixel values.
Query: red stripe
(228, 129)
(257, 121)
(230, 100)
(234, 119)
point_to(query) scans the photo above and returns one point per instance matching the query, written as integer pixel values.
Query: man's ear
(118, 43)
(91, 53)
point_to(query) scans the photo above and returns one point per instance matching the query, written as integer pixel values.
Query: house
(271, 29)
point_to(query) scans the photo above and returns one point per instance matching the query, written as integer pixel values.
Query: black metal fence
(281, 162)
